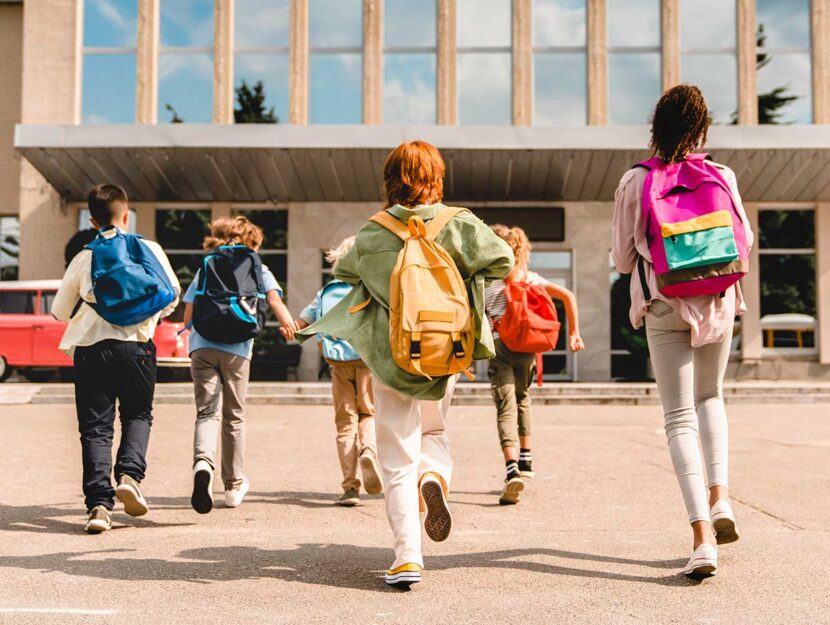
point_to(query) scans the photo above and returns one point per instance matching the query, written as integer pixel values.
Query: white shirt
(87, 327)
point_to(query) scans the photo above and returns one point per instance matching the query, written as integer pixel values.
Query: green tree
(250, 105)
(771, 103)
(175, 119)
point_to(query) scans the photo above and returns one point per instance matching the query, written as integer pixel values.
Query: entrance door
(557, 267)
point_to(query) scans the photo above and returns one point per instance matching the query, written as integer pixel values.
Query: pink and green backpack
(695, 233)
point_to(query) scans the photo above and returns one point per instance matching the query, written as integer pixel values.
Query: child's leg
(398, 424)
(235, 371)
(207, 387)
(435, 443)
(503, 388)
(344, 393)
(523, 373)
(136, 370)
(366, 410)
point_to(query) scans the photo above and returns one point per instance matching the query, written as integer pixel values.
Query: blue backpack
(128, 281)
(336, 350)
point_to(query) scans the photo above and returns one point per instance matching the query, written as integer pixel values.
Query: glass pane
(785, 24)
(787, 229)
(410, 23)
(409, 88)
(274, 224)
(17, 302)
(47, 298)
(278, 264)
(784, 89)
(261, 23)
(110, 23)
(272, 71)
(717, 77)
(559, 23)
(9, 247)
(635, 85)
(484, 23)
(185, 266)
(336, 89)
(788, 284)
(484, 83)
(707, 24)
(108, 95)
(181, 229)
(335, 23)
(634, 23)
(185, 88)
(560, 89)
(540, 261)
(187, 23)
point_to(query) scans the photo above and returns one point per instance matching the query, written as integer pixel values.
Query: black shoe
(526, 469)
(202, 497)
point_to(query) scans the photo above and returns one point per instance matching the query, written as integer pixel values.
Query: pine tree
(175, 119)
(250, 105)
(771, 103)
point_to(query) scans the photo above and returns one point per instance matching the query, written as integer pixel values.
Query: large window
(181, 231)
(336, 67)
(788, 279)
(484, 62)
(709, 57)
(109, 71)
(784, 81)
(9, 247)
(261, 60)
(186, 61)
(409, 61)
(560, 79)
(557, 267)
(633, 60)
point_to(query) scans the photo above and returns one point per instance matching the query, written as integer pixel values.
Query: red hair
(414, 174)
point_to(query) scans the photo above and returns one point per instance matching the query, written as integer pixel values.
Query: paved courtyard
(598, 538)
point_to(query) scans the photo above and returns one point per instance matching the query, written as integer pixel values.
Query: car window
(46, 299)
(17, 302)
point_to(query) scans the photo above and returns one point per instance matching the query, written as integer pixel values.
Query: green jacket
(481, 257)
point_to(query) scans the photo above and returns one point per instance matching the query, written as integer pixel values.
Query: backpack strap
(437, 223)
(641, 270)
(392, 224)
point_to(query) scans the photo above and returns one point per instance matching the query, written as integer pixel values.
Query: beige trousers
(412, 441)
(354, 416)
(220, 378)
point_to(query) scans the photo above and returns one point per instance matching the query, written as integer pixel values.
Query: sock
(525, 459)
(512, 469)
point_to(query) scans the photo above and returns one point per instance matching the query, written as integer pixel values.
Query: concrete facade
(11, 70)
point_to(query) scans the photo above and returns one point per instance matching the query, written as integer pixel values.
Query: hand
(576, 343)
(288, 331)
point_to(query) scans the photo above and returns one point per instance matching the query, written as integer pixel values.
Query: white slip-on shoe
(202, 497)
(234, 496)
(723, 522)
(128, 492)
(100, 520)
(703, 563)
(371, 473)
(511, 492)
(438, 521)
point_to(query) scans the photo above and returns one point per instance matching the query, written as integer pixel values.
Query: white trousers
(411, 441)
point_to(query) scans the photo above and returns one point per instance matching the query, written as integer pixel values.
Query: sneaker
(403, 576)
(703, 563)
(202, 497)
(349, 498)
(371, 473)
(438, 521)
(234, 496)
(130, 495)
(99, 521)
(513, 488)
(723, 522)
(526, 469)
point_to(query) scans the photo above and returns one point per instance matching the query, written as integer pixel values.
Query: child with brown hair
(511, 372)
(226, 305)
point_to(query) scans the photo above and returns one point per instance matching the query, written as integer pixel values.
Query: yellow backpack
(431, 327)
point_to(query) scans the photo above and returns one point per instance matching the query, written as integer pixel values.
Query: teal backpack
(335, 350)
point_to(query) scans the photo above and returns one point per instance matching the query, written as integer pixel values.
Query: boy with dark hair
(124, 285)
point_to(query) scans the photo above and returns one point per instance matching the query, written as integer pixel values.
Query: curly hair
(517, 239)
(233, 231)
(680, 123)
(414, 174)
(334, 255)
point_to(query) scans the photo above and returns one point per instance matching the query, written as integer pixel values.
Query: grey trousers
(220, 378)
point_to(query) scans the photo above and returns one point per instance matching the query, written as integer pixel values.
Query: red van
(30, 335)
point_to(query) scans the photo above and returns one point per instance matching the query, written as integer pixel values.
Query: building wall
(11, 71)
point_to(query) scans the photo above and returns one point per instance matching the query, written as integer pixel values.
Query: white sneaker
(235, 496)
(704, 562)
(202, 497)
(723, 522)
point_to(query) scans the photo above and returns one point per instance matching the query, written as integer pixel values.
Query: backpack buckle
(415, 350)
(458, 348)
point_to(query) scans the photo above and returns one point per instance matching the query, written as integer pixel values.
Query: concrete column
(51, 94)
(447, 63)
(597, 63)
(820, 24)
(373, 62)
(147, 63)
(145, 219)
(823, 280)
(298, 64)
(670, 25)
(11, 70)
(752, 340)
(747, 72)
(522, 62)
(218, 210)
(223, 62)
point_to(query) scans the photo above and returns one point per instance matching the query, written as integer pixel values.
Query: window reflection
(186, 23)
(719, 87)
(110, 23)
(484, 81)
(272, 71)
(634, 86)
(410, 23)
(634, 23)
(335, 23)
(559, 23)
(335, 92)
(9, 247)
(707, 24)
(261, 23)
(484, 23)
(409, 88)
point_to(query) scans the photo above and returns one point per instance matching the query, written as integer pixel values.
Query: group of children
(420, 292)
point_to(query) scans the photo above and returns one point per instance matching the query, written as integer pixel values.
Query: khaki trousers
(354, 416)
(511, 374)
(220, 378)
(412, 441)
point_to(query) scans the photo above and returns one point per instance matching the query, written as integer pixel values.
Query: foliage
(175, 119)
(250, 105)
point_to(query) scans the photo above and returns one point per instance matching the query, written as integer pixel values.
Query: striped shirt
(495, 301)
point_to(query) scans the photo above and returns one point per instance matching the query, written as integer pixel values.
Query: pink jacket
(710, 317)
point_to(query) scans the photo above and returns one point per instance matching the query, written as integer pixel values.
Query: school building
(284, 110)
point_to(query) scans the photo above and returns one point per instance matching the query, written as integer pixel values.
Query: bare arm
(188, 314)
(287, 324)
(571, 311)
